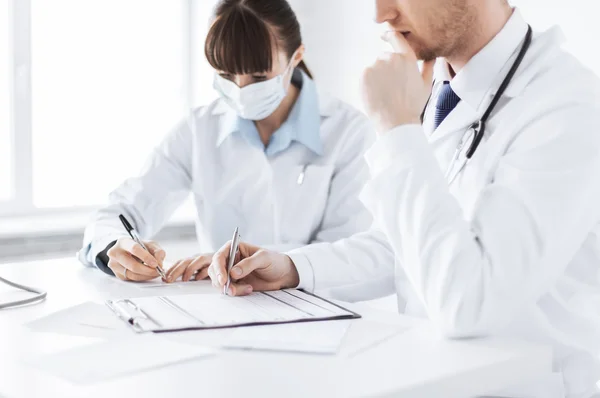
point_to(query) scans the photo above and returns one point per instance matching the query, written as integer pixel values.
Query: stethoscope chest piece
(477, 131)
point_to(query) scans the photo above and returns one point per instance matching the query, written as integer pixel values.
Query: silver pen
(133, 233)
(235, 242)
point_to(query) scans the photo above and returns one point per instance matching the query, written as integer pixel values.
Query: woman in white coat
(272, 156)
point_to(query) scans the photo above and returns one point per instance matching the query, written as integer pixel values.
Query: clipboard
(161, 314)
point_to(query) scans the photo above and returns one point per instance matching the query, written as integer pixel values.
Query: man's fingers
(399, 44)
(259, 260)
(212, 276)
(127, 261)
(427, 72)
(260, 285)
(198, 263)
(239, 289)
(218, 272)
(247, 250)
(137, 250)
(251, 284)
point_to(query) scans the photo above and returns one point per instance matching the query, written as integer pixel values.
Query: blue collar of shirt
(303, 124)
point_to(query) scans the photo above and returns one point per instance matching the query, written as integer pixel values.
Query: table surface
(413, 363)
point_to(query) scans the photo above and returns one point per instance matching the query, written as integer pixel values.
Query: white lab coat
(512, 246)
(235, 184)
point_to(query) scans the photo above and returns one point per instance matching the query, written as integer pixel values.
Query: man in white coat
(487, 232)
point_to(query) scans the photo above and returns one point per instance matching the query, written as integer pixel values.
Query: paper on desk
(158, 283)
(117, 358)
(310, 337)
(365, 335)
(88, 320)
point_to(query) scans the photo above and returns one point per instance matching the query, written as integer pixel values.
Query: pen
(133, 233)
(235, 241)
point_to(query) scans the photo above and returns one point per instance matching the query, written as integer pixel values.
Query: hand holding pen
(253, 269)
(131, 259)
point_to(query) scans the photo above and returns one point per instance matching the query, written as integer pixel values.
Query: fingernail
(230, 292)
(249, 289)
(237, 271)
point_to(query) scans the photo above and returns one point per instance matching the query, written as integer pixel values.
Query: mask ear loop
(289, 67)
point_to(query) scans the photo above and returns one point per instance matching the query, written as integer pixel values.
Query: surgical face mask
(255, 101)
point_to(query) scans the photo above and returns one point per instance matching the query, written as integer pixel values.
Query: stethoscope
(477, 129)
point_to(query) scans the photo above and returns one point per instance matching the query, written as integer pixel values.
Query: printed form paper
(216, 310)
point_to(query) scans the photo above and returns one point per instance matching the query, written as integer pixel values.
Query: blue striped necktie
(446, 103)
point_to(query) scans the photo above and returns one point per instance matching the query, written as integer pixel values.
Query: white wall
(578, 20)
(341, 40)
(340, 36)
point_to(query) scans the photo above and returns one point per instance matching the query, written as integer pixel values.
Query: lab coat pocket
(303, 195)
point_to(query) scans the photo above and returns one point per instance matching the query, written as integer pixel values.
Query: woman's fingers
(158, 252)
(176, 271)
(172, 269)
(128, 275)
(128, 261)
(199, 263)
(138, 251)
(193, 268)
(117, 269)
(202, 274)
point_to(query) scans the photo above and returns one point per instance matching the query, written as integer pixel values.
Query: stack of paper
(310, 337)
(87, 320)
(118, 358)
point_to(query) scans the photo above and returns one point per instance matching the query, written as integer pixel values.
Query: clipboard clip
(121, 308)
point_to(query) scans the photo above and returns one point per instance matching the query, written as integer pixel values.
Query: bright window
(5, 134)
(108, 82)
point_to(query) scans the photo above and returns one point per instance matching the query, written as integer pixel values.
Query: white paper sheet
(108, 360)
(157, 283)
(89, 319)
(347, 338)
(365, 335)
(309, 337)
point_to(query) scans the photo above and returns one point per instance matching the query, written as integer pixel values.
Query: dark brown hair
(245, 34)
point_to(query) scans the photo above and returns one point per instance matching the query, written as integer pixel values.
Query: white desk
(416, 363)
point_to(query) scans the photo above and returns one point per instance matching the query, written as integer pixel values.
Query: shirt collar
(482, 73)
(303, 124)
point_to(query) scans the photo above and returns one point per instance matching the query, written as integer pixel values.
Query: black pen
(132, 232)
